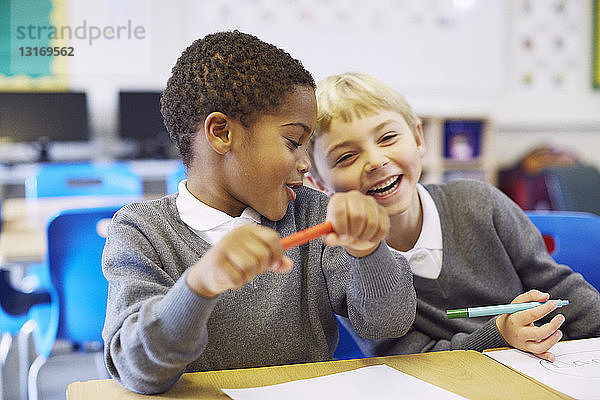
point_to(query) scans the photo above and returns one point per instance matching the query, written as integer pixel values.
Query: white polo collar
(425, 258)
(202, 217)
(431, 232)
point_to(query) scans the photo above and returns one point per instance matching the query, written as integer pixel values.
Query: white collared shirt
(425, 258)
(207, 222)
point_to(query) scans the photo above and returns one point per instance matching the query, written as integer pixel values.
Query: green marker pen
(497, 310)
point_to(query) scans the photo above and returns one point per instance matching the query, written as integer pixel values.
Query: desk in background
(152, 172)
(467, 373)
(24, 223)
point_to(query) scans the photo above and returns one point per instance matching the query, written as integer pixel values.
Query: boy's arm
(155, 325)
(415, 341)
(537, 270)
(157, 314)
(377, 288)
(375, 291)
(381, 296)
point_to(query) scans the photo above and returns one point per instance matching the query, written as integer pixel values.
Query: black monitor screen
(139, 115)
(27, 117)
(140, 120)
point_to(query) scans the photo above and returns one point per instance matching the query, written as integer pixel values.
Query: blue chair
(14, 313)
(76, 239)
(176, 176)
(83, 179)
(573, 239)
(347, 349)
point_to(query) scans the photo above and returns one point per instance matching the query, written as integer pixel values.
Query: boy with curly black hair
(198, 279)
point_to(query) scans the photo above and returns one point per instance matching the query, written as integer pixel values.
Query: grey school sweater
(491, 253)
(156, 328)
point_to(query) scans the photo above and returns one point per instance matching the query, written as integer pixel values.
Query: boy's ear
(316, 183)
(420, 139)
(216, 130)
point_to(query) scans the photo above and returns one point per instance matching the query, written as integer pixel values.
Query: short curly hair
(231, 72)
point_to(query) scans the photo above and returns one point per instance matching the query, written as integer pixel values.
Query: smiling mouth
(386, 187)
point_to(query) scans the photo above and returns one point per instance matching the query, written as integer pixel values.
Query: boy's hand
(235, 260)
(360, 223)
(520, 332)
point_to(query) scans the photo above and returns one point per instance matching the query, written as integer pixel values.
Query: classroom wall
(524, 63)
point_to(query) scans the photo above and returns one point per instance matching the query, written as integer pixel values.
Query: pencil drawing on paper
(585, 364)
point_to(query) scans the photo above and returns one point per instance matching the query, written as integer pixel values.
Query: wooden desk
(24, 223)
(468, 373)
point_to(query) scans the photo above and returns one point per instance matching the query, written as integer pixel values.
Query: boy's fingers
(544, 345)
(546, 330)
(375, 224)
(380, 221)
(272, 243)
(336, 213)
(331, 239)
(243, 263)
(527, 317)
(531, 295)
(546, 356)
(556, 322)
(251, 254)
(371, 224)
(283, 265)
(384, 224)
(232, 276)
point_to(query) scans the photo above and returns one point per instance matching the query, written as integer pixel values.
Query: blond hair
(356, 95)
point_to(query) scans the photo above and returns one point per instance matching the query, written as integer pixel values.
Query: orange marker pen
(306, 235)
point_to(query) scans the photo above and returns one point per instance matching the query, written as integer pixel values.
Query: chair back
(83, 179)
(176, 176)
(573, 239)
(76, 239)
(574, 188)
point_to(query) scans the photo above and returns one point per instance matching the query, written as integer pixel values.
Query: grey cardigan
(492, 253)
(156, 328)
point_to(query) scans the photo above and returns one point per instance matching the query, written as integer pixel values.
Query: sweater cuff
(486, 337)
(379, 273)
(183, 312)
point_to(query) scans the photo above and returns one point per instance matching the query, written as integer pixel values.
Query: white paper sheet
(375, 382)
(576, 371)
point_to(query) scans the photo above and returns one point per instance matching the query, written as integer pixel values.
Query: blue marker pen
(497, 310)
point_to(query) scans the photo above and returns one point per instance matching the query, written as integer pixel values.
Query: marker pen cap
(459, 313)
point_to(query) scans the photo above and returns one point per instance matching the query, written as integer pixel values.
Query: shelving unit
(457, 147)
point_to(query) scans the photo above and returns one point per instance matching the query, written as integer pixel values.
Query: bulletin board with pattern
(425, 45)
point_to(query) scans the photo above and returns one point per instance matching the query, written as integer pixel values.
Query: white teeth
(384, 184)
(392, 183)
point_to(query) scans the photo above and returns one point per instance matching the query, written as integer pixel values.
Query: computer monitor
(141, 122)
(41, 118)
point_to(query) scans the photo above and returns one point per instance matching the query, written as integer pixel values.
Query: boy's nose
(375, 161)
(303, 165)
